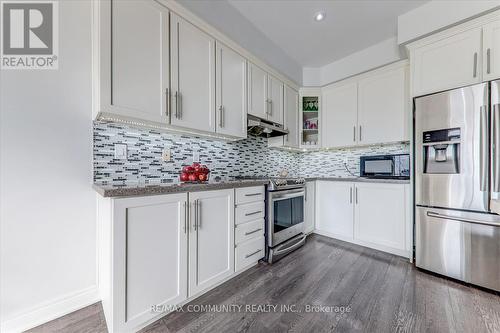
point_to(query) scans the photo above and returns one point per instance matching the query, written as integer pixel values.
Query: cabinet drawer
(249, 194)
(249, 212)
(249, 252)
(249, 230)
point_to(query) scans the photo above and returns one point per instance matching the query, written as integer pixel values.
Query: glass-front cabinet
(309, 118)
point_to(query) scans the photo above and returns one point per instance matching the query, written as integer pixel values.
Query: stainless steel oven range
(285, 217)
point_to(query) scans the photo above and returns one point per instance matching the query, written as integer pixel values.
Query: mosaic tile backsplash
(250, 157)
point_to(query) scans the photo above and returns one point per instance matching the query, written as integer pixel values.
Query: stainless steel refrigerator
(457, 175)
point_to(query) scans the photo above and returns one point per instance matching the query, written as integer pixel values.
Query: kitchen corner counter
(360, 180)
(136, 190)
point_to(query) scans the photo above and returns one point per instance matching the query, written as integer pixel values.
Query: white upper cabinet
(134, 68)
(150, 250)
(447, 63)
(491, 51)
(257, 91)
(274, 99)
(231, 87)
(211, 239)
(193, 76)
(380, 214)
(334, 209)
(291, 115)
(382, 107)
(339, 116)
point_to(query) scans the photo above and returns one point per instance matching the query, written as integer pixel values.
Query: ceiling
(349, 26)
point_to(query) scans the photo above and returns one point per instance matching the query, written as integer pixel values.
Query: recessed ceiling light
(319, 16)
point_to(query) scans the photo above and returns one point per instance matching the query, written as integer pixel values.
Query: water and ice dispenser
(441, 149)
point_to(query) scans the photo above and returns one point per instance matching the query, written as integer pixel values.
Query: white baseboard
(51, 310)
(383, 248)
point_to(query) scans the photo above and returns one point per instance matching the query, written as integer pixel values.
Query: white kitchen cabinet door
(382, 106)
(309, 211)
(448, 63)
(135, 65)
(211, 239)
(193, 76)
(291, 117)
(334, 209)
(491, 51)
(275, 99)
(231, 89)
(340, 116)
(150, 246)
(380, 214)
(257, 91)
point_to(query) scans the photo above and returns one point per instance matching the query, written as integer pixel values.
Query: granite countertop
(130, 190)
(361, 180)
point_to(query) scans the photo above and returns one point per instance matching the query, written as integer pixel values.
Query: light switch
(166, 156)
(120, 151)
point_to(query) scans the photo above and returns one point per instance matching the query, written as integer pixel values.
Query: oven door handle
(289, 195)
(293, 247)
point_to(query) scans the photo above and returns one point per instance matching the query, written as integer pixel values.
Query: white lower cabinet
(310, 207)
(211, 238)
(144, 257)
(375, 215)
(249, 227)
(334, 209)
(380, 214)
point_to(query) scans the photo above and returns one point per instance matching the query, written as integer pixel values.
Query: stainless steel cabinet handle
(270, 107)
(253, 213)
(483, 149)
(354, 133)
(267, 106)
(220, 116)
(195, 222)
(253, 253)
(360, 136)
(252, 232)
(176, 96)
(460, 219)
(167, 101)
(488, 56)
(475, 65)
(350, 195)
(252, 194)
(198, 209)
(186, 214)
(356, 190)
(495, 128)
(180, 105)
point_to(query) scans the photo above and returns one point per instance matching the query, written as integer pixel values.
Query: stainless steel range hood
(265, 128)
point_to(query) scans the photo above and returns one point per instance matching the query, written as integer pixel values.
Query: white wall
(48, 224)
(372, 57)
(439, 14)
(233, 24)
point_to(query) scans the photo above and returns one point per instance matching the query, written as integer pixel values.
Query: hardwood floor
(377, 292)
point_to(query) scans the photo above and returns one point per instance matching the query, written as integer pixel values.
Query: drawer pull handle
(252, 232)
(253, 213)
(253, 253)
(252, 194)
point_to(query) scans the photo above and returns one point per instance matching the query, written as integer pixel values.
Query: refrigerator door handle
(461, 219)
(495, 148)
(483, 149)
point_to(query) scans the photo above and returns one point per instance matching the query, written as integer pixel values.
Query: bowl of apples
(195, 173)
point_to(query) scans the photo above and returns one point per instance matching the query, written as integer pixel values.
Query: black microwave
(385, 166)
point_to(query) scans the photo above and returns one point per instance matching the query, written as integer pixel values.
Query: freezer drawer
(461, 245)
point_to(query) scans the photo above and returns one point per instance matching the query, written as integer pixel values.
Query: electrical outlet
(120, 151)
(196, 156)
(166, 155)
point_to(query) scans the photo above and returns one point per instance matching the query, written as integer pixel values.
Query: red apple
(187, 169)
(184, 176)
(192, 177)
(202, 177)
